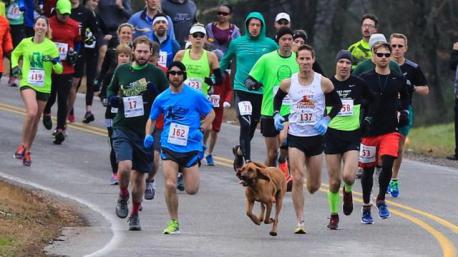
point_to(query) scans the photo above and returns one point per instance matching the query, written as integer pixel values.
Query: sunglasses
(397, 46)
(198, 35)
(223, 13)
(173, 73)
(380, 55)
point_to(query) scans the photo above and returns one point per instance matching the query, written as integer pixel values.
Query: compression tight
(61, 85)
(367, 179)
(248, 123)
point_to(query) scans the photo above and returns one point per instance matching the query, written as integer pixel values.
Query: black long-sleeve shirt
(392, 93)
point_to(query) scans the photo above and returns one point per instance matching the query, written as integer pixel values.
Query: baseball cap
(282, 15)
(197, 28)
(64, 6)
(375, 38)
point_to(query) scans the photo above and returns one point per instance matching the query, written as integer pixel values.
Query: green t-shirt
(131, 84)
(36, 73)
(197, 71)
(360, 52)
(270, 70)
(368, 65)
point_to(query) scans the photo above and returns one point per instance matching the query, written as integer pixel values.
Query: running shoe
(238, 159)
(122, 210)
(150, 190)
(27, 160)
(47, 122)
(383, 211)
(20, 151)
(333, 221)
(114, 180)
(13, 82)
(71, 117)
(173, 227)
(209, 159)
(180, 182)
(134, 223)
(366, 217)
(88, 117)
(59, 137)
(347, 202)
(300, 228)
(394, 188)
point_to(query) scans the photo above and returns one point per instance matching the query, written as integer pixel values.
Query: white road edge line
(114, 224)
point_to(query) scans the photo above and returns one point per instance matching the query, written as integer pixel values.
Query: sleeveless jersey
(197, 71)
(307, 108)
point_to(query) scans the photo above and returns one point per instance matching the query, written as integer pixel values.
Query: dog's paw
(273, 233)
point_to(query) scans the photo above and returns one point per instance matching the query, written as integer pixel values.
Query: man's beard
(141, 62)
(176, 84)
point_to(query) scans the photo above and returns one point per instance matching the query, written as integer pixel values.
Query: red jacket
(66, 36)
(6, 44)
(224, 90)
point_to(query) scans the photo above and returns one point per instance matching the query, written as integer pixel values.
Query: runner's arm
(16, 54)
(179, 56)
(57, 66)
(227, 58)
(331, 96)
(281, 93)
(405, 97)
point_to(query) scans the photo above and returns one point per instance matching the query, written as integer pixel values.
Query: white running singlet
(307, 108)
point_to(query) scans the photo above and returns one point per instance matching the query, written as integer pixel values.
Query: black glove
(16, 72)
(366, 124)
(209, 81)
(114, 101)
(252, 84)
(403, 118)
(72, 57)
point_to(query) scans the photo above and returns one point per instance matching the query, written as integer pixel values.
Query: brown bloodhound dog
(266, 185)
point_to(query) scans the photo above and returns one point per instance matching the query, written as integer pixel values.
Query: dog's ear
(262, 174)
(259, 165)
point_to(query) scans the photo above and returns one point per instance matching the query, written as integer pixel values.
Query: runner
(222, 31)
(300, 38)
(246, 50)
(65, 34)
(132, 90)
(380, 143)
(307, 125)
(123, 55)
(39, 58)
(6, 44)
(168, 46)
(269, 71)
(183, 15)
(16, 19)
(143, 20)
(282, 20)
(361, 50)
(200, 63)
(221, 99)
(417, 83)
(181, 140)
(344, 135)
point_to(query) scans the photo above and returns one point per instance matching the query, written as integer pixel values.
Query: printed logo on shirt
(134, 88)
(36, 60)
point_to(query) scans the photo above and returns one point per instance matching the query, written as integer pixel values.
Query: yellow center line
(448, 249)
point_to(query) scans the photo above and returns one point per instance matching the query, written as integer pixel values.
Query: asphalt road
(213, 222)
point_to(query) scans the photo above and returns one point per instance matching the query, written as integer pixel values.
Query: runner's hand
(226, 105)
(148, 141)
(209, 81)
(16, 72)
(365, 124)
(322, 125)
(115, 101)
(72, 56)
(403, 118)
(278, 121)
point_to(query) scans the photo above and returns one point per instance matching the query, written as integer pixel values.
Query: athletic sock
(334, 202)
(124, 193)
(347, 187)
(135, 207)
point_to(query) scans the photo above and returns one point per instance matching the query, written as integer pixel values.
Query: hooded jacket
(247, 50)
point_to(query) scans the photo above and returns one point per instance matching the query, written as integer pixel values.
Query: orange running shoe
(20, 151)
(27, 160)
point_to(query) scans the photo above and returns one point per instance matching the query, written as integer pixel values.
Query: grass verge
(436, 141)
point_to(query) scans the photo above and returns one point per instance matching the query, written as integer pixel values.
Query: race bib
(133, 106)
(304, 115)
(347, 107)
(367, 154)
(178, 134)
(36, 77)
(245, 108)
(114, 109)
(214, 99)
(63, 49)
(13, 12)
(195, 83)
(162, 59)
(286, 100)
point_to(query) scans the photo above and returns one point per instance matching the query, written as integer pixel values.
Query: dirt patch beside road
(30, 220)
